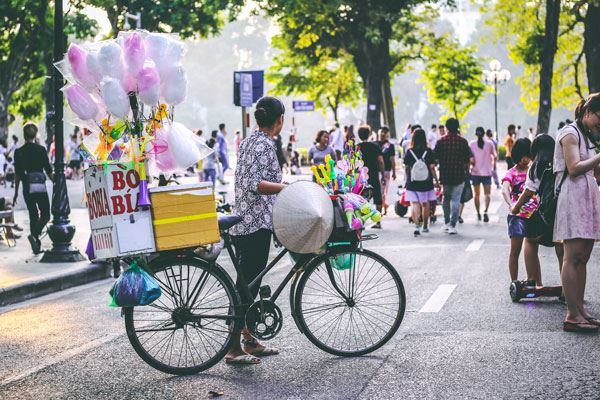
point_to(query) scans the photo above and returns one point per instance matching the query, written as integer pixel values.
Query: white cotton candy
(156, 47)
(93, 66)
(182, 145)
(115, 98)
(111, 60)
(174, 86)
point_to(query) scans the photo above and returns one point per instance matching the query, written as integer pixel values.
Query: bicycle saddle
(227, 221)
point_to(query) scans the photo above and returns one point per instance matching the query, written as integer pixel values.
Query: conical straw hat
(303, 217)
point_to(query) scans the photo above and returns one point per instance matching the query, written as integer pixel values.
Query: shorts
(517, 226)
(532, 228)
(75, 164)
(420, 197)
(377, 199)
(484, 180)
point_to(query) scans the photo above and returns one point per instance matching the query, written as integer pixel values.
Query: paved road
(478, 345)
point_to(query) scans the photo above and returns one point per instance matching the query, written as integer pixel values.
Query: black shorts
(75, 164)
(377, 198)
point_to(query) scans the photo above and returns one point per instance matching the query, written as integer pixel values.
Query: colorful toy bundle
(347, 179)
(124, 92)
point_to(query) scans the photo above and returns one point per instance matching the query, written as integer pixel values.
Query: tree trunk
(4, 119)
(547, 65)
(374, 95)
(591, 46)
(388, 106)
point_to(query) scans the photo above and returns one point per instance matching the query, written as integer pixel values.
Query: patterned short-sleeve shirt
(257, 161)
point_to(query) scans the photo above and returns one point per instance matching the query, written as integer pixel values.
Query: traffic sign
(246, 90)
(258, 85)
(303, 105)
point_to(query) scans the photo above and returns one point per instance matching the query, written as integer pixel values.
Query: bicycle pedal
(264, 292)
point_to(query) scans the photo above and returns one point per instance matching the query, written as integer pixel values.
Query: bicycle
(348, 301)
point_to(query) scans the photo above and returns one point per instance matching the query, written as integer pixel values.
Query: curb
(43, 286)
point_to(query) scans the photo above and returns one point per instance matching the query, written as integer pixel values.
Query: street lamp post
(496, 76)
(137, 17)
(61, 232)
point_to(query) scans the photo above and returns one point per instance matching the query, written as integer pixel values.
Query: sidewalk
(23, 277)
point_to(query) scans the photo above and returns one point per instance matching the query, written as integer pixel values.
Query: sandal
(579, 327)
(267, 351)
(593, 321)
(244, 359)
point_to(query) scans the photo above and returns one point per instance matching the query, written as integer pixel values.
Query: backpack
(548, 192)
(419, 172)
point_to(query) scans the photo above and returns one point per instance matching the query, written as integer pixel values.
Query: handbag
(36, 182)
(467, 193)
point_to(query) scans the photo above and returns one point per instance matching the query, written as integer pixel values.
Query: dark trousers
(253, 255)
(38, 206)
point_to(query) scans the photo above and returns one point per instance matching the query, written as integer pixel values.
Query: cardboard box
(119, 228)
(184, 216)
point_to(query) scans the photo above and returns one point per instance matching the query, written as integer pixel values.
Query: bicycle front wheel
(350, 302)
(190, 327)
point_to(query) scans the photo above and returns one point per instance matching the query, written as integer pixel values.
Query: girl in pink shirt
(484, 154)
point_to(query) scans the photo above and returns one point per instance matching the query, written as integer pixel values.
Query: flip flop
(267, 351)
(244, 359)
(593, 321)
(581, 327)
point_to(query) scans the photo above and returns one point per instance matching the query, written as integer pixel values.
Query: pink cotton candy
(149, 85)
(81, 102)
(77, 59)
(134, 53)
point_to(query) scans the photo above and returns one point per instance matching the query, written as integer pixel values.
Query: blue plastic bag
(135, 287)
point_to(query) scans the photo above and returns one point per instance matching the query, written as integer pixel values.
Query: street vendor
(257, 182)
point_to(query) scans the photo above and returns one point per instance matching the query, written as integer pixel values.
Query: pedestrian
(321, 148)
(336, 141)
(3, 152)
(432, 136)
(209, 164)
(74, 156)
(31, 160)
(236, 142)
(373, 159)
(389, 164)
(490, 136)
(408, 139)
(453, 155)
(13, 146)
(442, 131)
(542, 152)
(508, 144)
(530, 134)
(513, 185)
(484, 156)
(350, 134)
(257, 182)
(420, 176)
(577, 221)
(223, 152)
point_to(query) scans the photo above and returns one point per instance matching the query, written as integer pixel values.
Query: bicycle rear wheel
(350, 302)
(190, 327)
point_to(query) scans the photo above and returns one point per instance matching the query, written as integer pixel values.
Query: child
(512, 187)
(10, 173)
(542, 151)
(209, 165)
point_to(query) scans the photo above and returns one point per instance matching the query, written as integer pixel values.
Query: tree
(591, 44)
(452, 77)
(548, 52)
(330, 83)
(373, 33)
(22, 49)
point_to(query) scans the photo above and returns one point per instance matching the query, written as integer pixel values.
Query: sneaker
(35, 244)
(485, 217)
(445, 227)
(425, 230)
(452, 230)
(460, 220)
(478, 217)
(530, 284)
(417, 233)
(376, 226)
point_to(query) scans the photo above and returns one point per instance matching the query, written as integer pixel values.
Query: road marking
(475, 245)
(438, 299)
(63, 357)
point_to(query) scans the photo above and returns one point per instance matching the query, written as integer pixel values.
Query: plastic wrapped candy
(134, 53)
(181, 143)
(81, 102)
(160, 151)
(93, 67)
(149, 85)
(110, 60)
(174, 86)
(164, 51)
(78, 60)
(115, 98)
(135, 287)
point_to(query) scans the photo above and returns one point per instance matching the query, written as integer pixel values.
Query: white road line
(63, 357)
(475, 245)
(438, 299)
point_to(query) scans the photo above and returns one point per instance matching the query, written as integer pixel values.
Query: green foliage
(330, 82)
(28, 101)
(520, 23)
(80, 25)
(190, 18)
(501, 152)
(452, 77)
